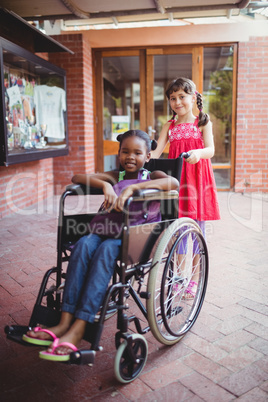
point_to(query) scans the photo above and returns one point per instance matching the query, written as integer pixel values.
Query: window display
(33, 124)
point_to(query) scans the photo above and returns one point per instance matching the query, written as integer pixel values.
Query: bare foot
(58, 331)
(73, 336)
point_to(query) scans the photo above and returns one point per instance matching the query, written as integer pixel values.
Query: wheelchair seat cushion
(110, 224)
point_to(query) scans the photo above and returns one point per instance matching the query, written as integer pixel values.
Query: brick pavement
(223, 358)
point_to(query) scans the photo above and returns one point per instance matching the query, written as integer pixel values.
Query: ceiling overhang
(99, 14)
(102, 9)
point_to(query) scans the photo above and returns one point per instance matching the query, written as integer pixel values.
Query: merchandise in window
(33, 96)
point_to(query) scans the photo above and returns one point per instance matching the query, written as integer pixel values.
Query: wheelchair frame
(167, 302)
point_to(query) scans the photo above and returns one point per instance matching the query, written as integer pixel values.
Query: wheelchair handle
(185, 155)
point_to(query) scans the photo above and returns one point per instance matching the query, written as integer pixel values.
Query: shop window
(33, 122)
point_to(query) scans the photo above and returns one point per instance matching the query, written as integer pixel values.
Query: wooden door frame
(98, 110)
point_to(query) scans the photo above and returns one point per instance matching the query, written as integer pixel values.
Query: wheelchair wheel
(130, 358)
(177, 281)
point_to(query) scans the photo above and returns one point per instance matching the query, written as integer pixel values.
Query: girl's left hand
(195, 156)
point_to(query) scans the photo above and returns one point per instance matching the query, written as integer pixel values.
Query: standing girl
(94, 256)
(193, 134)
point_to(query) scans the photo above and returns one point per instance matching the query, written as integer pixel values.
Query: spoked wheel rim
(173, 295)
(170, 313)
(130, 362)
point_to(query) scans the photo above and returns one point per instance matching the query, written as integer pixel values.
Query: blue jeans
(90, 269)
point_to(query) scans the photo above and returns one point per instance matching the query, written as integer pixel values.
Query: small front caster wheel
(130, 358)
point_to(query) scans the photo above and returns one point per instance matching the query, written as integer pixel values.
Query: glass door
(121, 102)
(219, 96)
(166, 68)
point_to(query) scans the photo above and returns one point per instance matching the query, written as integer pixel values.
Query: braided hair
(150, 144)
(188, 86)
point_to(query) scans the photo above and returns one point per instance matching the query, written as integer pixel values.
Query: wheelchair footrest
(44, 315)
(83, 357)
(15, 332)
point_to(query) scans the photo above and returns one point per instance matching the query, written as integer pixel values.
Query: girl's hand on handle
(194, 156)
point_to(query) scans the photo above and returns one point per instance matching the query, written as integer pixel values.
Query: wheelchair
(158, 261)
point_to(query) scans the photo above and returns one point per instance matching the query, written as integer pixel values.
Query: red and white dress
(198, 194)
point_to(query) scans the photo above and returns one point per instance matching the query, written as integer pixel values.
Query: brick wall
(78, 69)
(25, 184)
(251, 170)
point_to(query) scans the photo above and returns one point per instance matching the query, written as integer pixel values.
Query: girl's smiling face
(133, 154)
(181, 102)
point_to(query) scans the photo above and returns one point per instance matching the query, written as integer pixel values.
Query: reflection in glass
(121, 109)
(121, 83)
(166, 69)
(222, 178)
(218, 100)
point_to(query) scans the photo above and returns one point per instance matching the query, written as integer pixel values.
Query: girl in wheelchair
(94, 256)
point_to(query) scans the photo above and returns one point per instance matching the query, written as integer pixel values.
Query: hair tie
(153, 145)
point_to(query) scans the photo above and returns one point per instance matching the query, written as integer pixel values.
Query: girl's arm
(208, 151)
(162, 141)
(159, 180)
(103, 181)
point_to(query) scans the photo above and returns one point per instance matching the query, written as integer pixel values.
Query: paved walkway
(223, 358)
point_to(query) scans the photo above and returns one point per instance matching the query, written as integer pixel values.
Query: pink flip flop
(189, 292)
(37, 341)
(53, 356)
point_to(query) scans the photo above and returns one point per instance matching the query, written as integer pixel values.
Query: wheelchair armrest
(148, 194)
(81, 189)
(154, 194)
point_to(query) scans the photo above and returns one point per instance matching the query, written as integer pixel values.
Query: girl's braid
(199, 101)
(203, 118)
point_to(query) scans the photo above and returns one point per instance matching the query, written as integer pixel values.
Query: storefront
(115, 79)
